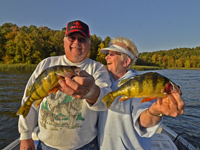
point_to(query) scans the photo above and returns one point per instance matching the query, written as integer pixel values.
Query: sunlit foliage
(30, 45)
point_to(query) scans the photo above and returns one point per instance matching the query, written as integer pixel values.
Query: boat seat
(162, 142)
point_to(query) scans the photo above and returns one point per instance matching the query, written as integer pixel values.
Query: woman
(131, 124)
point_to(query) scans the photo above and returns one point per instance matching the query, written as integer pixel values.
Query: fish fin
(123, 98)
(108, 99)
(28, 91)
(122, 82)
(23, 111)
(41, 73)
(147, 99)
(53, 91)
(37, 103)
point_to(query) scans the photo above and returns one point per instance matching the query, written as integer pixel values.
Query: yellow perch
(148, 86)
(45, 84)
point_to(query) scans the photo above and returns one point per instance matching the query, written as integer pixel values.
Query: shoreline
(31, 67)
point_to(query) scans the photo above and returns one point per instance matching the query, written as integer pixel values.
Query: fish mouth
(171, 87)
(61, 77)
(70, 74)
(168, 88)
(77, 71)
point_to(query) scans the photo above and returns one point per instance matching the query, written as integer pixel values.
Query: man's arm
(171, 106)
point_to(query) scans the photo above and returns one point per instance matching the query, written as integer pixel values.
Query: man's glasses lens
(80, 40)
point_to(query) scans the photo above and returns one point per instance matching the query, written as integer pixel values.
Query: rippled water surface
(12, 86)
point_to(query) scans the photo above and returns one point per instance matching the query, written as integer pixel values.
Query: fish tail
(108, 99)
(23, 110)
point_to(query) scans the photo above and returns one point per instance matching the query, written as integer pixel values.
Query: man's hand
(81, 87)
(27, 145)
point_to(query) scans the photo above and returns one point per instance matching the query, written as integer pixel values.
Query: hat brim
(105, 50)
(76, 30)
(116, 48)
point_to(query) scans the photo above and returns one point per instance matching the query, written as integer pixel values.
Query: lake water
(12, 86)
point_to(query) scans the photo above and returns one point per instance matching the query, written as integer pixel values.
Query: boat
(164, 139)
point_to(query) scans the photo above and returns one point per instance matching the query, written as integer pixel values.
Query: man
(68, 119)
(130, 124)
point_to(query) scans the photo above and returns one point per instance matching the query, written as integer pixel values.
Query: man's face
(76, 47)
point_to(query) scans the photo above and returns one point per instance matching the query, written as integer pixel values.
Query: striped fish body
(45, 84)
(147, 86)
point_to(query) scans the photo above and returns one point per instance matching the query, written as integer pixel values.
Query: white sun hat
(117, 49)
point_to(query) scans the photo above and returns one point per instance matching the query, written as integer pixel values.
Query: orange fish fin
(123, 98)
(147, 99)
(53, 91)
(37, 103)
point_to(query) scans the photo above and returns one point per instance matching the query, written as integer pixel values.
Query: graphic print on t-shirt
(61, 110)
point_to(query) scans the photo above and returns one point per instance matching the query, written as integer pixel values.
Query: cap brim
(72, 31)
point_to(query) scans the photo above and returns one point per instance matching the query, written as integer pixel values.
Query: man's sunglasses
(80, 39)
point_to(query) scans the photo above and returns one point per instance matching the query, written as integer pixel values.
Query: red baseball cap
(77, 26)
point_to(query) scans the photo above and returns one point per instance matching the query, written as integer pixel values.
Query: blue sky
(152, 25)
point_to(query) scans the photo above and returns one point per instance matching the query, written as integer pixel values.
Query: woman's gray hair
(127, 44)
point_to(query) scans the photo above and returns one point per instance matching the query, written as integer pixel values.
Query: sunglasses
(113, 54)
(80, 39)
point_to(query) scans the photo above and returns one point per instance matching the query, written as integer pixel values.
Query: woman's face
(115, 62)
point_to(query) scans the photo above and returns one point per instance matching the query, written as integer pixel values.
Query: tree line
(175, 58)
(30, 45)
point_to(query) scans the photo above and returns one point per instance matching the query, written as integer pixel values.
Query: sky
(153, 25)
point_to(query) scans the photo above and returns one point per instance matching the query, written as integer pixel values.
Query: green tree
(2, 43)
(10, 52)
(187, 63)
(95, 41)
(7, 46)
(164, 58)
(57, 44)
(193, 60)
(32, 28)
(24, 47)
(154, 57)
(159, 59)
(101, 56)
(37, 47)
(180, 62)
(106, 41)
